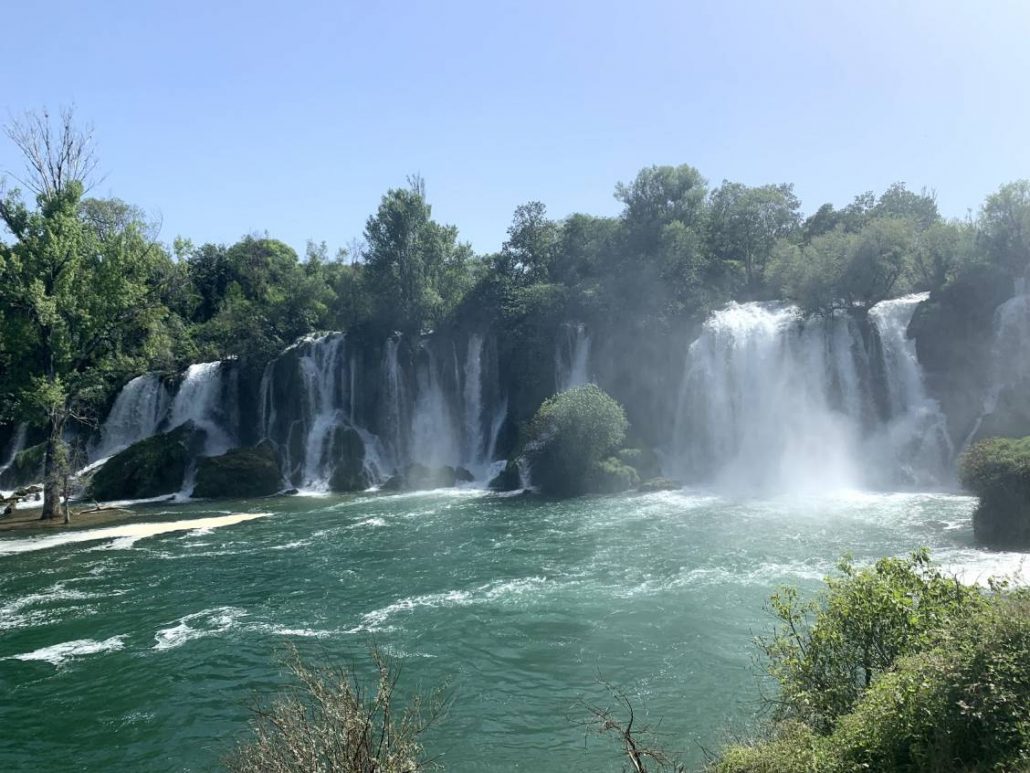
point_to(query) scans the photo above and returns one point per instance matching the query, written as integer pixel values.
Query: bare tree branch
(56, 152)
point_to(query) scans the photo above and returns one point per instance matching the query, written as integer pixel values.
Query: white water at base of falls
(772, 402)
(199, 400)
(138, 410)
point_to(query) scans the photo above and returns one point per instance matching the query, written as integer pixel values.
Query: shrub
(327, 720)
(569, 436)
(826, 653)
(962, 705)
(998, 472)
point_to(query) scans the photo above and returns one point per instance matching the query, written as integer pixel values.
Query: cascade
(1011, 345)
(434, 441)
(572, 357)
(772, 401)
(199, 400)
(915, 433)
(322, 371)
(473, 398)
(136, 414)
(396, 403)
(14, 447)
(1010, 356)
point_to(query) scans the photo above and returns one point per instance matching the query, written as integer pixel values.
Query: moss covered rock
(149, 468)
(26, 468)
(643, 460)
(998, 472)
(611, 475)
(239, 473)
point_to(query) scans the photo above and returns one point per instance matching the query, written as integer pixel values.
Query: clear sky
(294, 118)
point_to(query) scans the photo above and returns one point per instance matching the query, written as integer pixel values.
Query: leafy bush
(998, 472)
(569, 436)
(826, 653)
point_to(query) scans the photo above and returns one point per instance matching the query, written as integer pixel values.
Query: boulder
(239, 473)
(348, 473)
(610, 476)
(658, 484)
(149, 468)
(507, 479)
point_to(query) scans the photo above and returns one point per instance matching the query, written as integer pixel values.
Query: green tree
(1004, 227)
(416, 269)
(78, 289)
(532, 247)
(745, 223)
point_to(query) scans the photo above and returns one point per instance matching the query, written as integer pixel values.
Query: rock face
(998, 472)
(149, 468)
(348, 470)
(238, 474)
(417, 477)
(953, 332)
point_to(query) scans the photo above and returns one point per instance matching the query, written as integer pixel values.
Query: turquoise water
(144, 652)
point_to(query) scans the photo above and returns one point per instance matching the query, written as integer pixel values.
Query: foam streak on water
(517, 603)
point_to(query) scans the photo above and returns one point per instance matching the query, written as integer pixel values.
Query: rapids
(142, 650)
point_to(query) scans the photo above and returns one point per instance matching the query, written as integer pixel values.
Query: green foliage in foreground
(998, 472)
(825, 653)
(896, 668)
(570, 438)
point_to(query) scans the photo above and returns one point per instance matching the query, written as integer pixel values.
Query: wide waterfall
(773, 401)
(429, 402)
(137, 413)
(572, 357)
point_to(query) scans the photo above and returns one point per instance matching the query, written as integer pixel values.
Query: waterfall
(572, 357)
(772, 401)
(321, 367)
(473, 398)
(200, 400)
(915, 433)
(434, 441)
(1010, 359)
(14, 447)
(137, 412)
(395, 408)
(1011, 345)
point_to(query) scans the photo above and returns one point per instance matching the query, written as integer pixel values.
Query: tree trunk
(53, 468)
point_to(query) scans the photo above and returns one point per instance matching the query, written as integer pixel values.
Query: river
(142, 649)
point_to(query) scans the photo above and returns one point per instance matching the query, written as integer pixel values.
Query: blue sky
(294, 118)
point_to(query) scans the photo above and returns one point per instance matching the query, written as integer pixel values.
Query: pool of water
(142, 648)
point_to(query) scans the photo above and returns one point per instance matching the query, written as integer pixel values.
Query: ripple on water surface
(517, 603)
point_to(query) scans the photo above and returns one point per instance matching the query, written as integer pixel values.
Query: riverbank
(26, 519)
